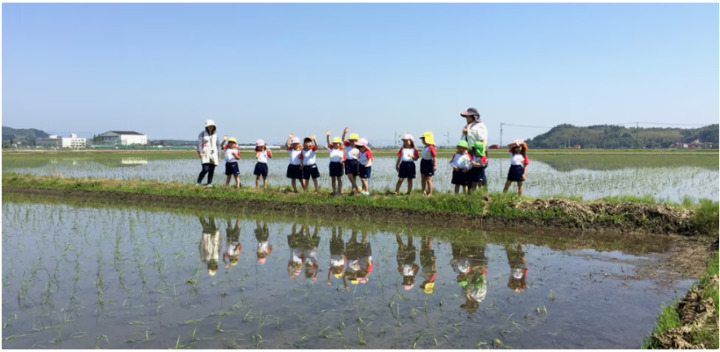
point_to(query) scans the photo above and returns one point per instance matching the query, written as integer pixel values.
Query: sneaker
(365, 193)
(198, 184)
(209, 185)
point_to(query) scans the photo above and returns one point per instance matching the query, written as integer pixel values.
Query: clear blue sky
(265, 70)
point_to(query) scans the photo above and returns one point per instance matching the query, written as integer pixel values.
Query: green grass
(669, 317)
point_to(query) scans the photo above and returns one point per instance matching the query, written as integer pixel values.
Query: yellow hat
(337, 140)
(353, 136)
(232, 139)
(428, 136)
(429, 287)
(354, 281)
(338, 275)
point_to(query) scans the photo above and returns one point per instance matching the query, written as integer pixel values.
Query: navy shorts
(460, 178)
(364, 172)
(515, 173)
(426, 167)
(477, 174)
(310, 170)
(406, 169)
(336, 169)
(351, 167)
(232, 168)
(293, 171)
(261, 169)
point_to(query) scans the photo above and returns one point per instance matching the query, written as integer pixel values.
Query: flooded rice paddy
(674, 182)
(112, 277)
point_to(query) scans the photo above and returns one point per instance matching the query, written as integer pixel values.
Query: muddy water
(664, 183)
(81, 277)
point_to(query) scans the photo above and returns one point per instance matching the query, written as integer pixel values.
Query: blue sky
(265, 70)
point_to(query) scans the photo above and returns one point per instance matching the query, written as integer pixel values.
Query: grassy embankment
(705, 333)
(703, 218)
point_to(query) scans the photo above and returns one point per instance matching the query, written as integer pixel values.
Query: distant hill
(611, 136)
(22, 134)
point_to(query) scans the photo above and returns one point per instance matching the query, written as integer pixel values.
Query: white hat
(209, 123)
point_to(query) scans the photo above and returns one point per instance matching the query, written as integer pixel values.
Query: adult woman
(208, 151)
(474, 130)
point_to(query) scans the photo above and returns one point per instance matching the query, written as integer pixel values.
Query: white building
(54, 141)
(121, 138)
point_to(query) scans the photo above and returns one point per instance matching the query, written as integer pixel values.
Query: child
(294, 170)
(407, 267)
(337, 162)
(263, 248)
(428, 163)
(337, 254)
(460, 163)
(309, 163)
(405, 164)
(479, 163)
(262, 154)
(233, 246)
(518, 165)
(232, 155)
(295, 263)
(365, 159)
(351, 163)
(428, 260)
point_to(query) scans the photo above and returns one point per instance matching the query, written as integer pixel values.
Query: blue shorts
(364, 172)
(351, 167)
(261, 169)
(310, 170)
(426, 167)
(336, 169)
(293, 171)
(232, 168)
(477, 174)
(460, 178)
(515, 174)
(406, 169)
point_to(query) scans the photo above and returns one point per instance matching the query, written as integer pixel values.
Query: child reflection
(518, 267)
(406, 262)
(309, 247)
(359, 260)
(295, 263)
(210, 244)
(470, 263)
(428, 260)
(232, 246)
(337, 255)
(263, 248)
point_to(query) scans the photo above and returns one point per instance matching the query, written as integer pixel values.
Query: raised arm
(314, 141)
(345, 131)
(327, 134)
(287, 143)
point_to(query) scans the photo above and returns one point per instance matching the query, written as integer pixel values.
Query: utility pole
(501, 128)
(637, 133)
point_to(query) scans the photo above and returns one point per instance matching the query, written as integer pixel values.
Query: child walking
(232, 155)
(479, 163)
(337, 162)
(309, 160)
(518, 165)
(365, 159)
(428, 163)
(262, 154)
(294, 170)
(405, 164)
(460, 164)
(351, 162)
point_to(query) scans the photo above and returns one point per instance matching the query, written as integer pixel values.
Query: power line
(660, 124)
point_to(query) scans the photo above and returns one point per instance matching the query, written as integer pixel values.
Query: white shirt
(351, 155)
(309, 156)
(364, 158)
(428, 152)
(407, 154)
(295, 156)
(230, 155)
(476, 132)
(263, 156)
(516, 159)
(337, 155)
(461, 161)
(337, 260)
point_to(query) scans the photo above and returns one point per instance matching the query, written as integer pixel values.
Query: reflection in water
(470, 263)
(295, 263)
(406, 262)
(210, 244)
(337, 254)
(429, 265)
(233, 246)
(359, 260)
(263, 248)
(518, 267)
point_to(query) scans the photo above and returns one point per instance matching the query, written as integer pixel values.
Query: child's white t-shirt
(428, 152)
(296, 156)
(263, 156)
(309, 156)
(365, 157)
(461, 161)
(337, 155)
(517, 159)
(349, 151)
(407, 154)
(232, 155)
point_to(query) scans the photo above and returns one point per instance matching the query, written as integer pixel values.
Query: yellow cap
(428, 136)
(338, 275)
(232, 139)
(354, 281)
(353, 136)
(429, 287)
(337, 140)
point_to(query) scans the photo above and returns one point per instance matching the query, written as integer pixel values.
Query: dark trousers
(208, 169)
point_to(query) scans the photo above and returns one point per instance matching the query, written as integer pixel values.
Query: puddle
(84, 277)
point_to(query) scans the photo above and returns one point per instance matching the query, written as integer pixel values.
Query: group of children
(353, 157)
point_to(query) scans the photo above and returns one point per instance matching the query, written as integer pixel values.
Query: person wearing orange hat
(428, 162)
(518, 165)
(232, 155)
